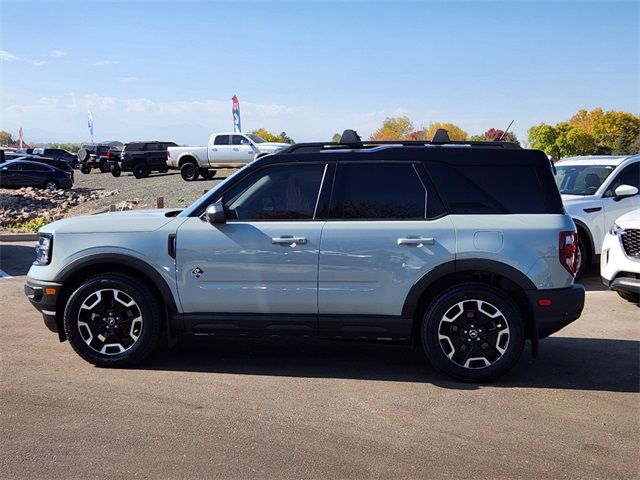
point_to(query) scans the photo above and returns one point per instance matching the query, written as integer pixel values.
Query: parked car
(59, 164)
(94, 156)
(225, 150)
(461, 247)
(142, 158)
(58, 154)
(620, 259)
(595, 191)
(25, 173)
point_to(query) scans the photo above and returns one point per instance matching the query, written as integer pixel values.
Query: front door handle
(288, 240)
(235, 150)
(214, 149)
(419, 241)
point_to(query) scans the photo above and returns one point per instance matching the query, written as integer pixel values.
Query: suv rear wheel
(103, 164)
(83, 154)
(473, 332)
(140, 170)
(113, 320)
(86, 169)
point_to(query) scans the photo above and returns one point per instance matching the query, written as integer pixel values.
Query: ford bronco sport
(463, 248)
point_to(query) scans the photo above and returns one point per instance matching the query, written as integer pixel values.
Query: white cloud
(39, 63)
(129, 79)
(57, 53)
(102, 63)
(7, 56)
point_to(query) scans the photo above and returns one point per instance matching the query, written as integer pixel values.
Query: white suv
(595, 192)
(620, 259)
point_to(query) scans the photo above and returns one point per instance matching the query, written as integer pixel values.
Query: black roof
(453, 152)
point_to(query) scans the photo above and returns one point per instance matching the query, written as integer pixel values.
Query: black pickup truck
(142, 158)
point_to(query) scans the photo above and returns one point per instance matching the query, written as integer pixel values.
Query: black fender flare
(458, 266)
(120, 259)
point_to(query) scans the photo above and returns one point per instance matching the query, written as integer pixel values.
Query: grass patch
(31, 226)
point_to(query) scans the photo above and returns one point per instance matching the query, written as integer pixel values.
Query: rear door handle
(288, 240)
(419, 241)
(235, 149)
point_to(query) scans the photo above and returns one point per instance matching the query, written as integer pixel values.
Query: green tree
(393, 128)
(543, 137)
(5, 138)
(272, 137)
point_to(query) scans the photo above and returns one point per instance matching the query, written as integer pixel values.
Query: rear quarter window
(496, 189)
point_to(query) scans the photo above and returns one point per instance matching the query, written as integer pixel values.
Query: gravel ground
(142, 193)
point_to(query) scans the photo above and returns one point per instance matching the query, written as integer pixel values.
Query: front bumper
(44, 297)
(555, 309)
(624, 283)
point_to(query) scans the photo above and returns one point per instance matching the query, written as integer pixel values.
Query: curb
(18, 237)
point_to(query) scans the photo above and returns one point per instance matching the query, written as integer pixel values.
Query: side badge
(197, 272)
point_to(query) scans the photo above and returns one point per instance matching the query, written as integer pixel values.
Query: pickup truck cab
(225, 150)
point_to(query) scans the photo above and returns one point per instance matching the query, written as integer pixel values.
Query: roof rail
(351, 140)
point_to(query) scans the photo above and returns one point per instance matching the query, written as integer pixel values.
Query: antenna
(505, 132)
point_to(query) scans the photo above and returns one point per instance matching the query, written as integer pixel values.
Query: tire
(103, 165)
(207, 174)
(140, 170)
(451, 332)
(86, 169)
(75, 164)
(584, 258)
(116, 171)
(83, 154)
(629, 296)
(51, 185)
(189, 172)
(113, 320)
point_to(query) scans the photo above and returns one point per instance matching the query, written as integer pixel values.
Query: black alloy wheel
(113, 320)
(189, 172)
(473, 332)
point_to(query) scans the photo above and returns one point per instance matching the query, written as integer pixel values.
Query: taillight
(569, 251)
(168, 154)
(109, 155)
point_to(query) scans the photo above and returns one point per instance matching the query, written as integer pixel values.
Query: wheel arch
(72, 275)
(581, 227)
(499, 275)
(186, 158)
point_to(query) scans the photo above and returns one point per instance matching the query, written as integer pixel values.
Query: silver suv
(462, 248)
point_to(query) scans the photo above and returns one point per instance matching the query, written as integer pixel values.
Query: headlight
(43, 249)
(616, 229)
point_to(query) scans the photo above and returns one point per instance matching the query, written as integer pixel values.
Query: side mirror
(215, 213)
(624, 191)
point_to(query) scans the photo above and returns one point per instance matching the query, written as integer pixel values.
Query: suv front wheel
(473, 332)
(113, 320)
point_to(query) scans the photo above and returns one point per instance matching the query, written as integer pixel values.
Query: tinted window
(34, 167)
(222, 140)
(378, 190)
(581, 179)
(276, 193)
(629, 176)
(495, 189)
(238, 140)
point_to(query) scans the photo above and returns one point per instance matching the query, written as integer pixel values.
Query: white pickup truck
(225, 150)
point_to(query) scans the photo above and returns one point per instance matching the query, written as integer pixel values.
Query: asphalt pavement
(296, 408)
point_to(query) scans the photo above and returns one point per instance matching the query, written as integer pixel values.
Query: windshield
(581, 179)
(255, 138)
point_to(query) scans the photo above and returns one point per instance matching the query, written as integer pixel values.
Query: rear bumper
(555, 309)
(44, 296)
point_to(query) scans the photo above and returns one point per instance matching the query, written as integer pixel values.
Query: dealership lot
(285, 408)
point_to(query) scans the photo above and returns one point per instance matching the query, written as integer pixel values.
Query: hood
(272, 146)
(630, 219)
(112, 222)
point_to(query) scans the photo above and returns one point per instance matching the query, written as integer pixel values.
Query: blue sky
(167, 70)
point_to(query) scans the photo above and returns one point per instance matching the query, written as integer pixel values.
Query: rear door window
(371, 191)
(221, 140)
